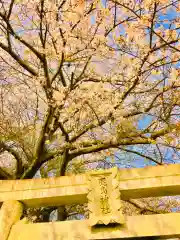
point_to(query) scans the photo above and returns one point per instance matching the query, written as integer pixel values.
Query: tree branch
(29, 46)
(136, 140)
(140, 154)
(143, 208)
(64, 132)
(107, 145)
(4, 175)
(18, 59)
(59, 68)
(89, 127)
(37, 160)
(152, 25)
(163, 131)
(10, 8)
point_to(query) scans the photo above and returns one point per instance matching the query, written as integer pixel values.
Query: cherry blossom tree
(79, 77)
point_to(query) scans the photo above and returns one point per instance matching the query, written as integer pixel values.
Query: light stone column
(10, 213)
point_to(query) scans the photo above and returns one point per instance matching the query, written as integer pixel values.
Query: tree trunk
(31, 171)
(61, 213)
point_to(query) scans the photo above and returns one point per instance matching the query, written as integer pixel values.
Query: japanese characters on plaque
(104, 198)
(104, 201)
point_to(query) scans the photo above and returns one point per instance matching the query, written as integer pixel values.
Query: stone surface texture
(103, 190)
(10, 213)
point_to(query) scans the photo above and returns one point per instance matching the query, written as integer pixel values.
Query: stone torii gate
(103, 190)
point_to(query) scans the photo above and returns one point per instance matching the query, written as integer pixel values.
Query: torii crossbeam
(103, 190)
